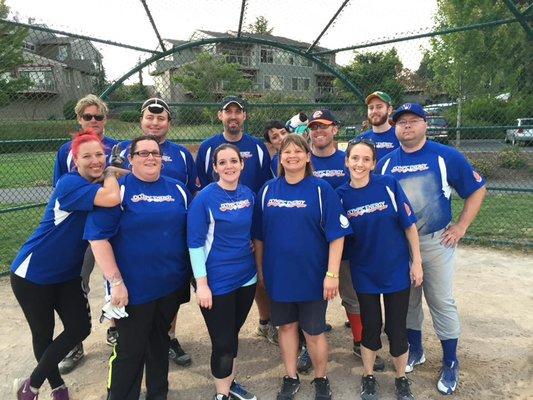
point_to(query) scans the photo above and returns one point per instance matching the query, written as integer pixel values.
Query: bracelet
(332, 275)
(115, 283)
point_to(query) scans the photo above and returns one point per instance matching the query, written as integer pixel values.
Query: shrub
(512, 158)
(130, 116)
(68, 109)
(484, 167)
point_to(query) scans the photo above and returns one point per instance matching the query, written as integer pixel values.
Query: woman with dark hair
(45, 275)
(219, 240)
(142, 251)
(384, 259)
(274, 132)
(299, 234)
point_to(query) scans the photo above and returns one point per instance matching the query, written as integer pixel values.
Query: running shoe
(60, 393)
(449, 377)
(304, 361)
(268, 331)
(112, 336)
(22, 389)
(72, 359)
(322, 388)
(289, 388)
(239, 392)
(379, 363)
(403, 389)
(414, 358)
(219, 396)
(178, 355)
(369, 388)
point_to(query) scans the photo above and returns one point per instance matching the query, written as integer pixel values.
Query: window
(41, 78)
(267, 55)
(300, 84)
(29, 46)
(62, 53)
(237, 57)
(273, 82)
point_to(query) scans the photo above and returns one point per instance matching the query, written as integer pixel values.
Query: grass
(26, 169)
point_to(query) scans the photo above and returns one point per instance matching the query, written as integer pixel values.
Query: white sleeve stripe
(385, 166)
(183, 194)
(22, 269)
(392, 198)
(207, 159)
(263, 197)
(69, 160)
(320, 202)
(210, 235)
(182, 153)
(261, 154)
(122, 191)
(446, 189)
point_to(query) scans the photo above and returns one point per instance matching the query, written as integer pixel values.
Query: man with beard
(256, 172)
(379, 109)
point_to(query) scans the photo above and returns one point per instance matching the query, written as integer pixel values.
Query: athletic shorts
(310, 315)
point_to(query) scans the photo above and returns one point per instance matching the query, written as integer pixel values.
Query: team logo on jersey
(405, 169)
(246, 154)
(166, 158)
(236, 205)
(329, 173)
(317, 114)
(152, 199)
(384, 145)
(477, 177)
(286, 203)
(344, 221)
(407, 209)
(366, 209)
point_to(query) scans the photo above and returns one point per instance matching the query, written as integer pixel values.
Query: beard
(380, 120)
(233, 129)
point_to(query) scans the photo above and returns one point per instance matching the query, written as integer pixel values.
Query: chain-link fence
(473, 76)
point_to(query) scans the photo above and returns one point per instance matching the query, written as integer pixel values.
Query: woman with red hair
(45, 275)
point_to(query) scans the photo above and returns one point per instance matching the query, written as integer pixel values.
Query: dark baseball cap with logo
(380, 95)
(229, 100)
(324, 116)
(411, 108)
(156, 106)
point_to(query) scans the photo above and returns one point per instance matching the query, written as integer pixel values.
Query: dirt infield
(494, 290)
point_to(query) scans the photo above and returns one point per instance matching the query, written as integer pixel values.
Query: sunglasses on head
(358, 140)
(154, 108)
(88, 117)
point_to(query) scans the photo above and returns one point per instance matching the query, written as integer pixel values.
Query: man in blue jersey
(427, 172)
(379, 109)
(257, 164)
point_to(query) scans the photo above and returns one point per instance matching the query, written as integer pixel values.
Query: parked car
(520, 135)
(437, 128)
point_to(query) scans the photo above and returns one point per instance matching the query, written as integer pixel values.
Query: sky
(125, 21)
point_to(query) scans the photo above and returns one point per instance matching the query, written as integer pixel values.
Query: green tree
(373, 71)
(11, 45)
(211, 77)
(260, 26)
(135, 92)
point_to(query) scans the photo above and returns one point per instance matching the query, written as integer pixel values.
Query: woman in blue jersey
(45, 275)
(219, 240)
(141, 248)
(384, 258)
(299, 230)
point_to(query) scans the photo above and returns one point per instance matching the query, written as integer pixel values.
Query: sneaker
(414, 358)
(219, 396)
(268, 331)
(322, 388)
(347, 324)
(176, 354)
(403, 389)
(449, 377)
(289, 388)
(369, 388)
(379, 363)
(22, 389)
(112, 336)
(239, 392)
(60, 393)
(328, 329)
(304, 361)
(72, 359)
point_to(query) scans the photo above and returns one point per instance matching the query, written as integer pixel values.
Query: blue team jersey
(177, 161)
(220, 222)
(256, 161)
(54, 253)
(65, 161)
(427, 176)
(148, 235)
(332, 168)
(378, 251)
(385, 142)
(296, 223)
(274, 165)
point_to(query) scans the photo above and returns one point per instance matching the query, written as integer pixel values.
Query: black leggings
(396, 305)
(224, 321)
(38, 302)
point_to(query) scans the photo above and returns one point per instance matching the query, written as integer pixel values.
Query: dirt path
(494, 290)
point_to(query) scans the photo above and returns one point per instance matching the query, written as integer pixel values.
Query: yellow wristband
(332, 275)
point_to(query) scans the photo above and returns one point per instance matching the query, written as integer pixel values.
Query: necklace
(227, 194)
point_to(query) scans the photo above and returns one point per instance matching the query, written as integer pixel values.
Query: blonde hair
(300, 142)
(90, 100)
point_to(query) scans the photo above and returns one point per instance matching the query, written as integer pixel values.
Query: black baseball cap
(324, 116)
(156, 106)
(229, 100)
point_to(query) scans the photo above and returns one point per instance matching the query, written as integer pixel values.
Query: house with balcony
(59, 69)
(270, 69)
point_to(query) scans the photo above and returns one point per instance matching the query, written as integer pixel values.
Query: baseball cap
(324, 117)
(413, 108)
(228, 100)
(380, 95)
(156, 105)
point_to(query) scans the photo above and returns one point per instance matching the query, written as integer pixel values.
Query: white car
(520, 135)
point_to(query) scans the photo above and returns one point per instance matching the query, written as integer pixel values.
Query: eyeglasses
(358, 140)
(404, 122)
(146, 153)
(322, 127)
(88, 117)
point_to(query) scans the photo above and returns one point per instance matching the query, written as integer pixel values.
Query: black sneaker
(219, 396)
(176, 354)
(403, 389)
(72, 359)
(112, 336)
(289, 388)
(379, 363)
(369, 388)
(304, 363)
(322, 388)
(329, 328)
